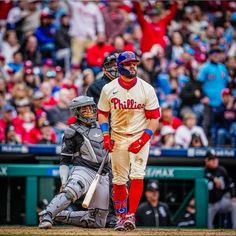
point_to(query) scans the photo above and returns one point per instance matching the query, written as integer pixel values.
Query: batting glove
(108, 143)
(137, 145)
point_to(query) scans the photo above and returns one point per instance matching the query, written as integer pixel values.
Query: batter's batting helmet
(110, 66)
(82, 101)
(123, 57)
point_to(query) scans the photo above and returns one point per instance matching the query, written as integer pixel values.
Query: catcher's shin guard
(59, 203)
(70, 217)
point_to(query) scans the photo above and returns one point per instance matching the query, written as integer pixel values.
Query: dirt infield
(26, 231)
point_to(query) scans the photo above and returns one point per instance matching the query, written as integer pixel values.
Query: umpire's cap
(110, 59)
(210, 154)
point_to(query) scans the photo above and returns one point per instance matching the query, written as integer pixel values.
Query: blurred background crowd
(51, 51)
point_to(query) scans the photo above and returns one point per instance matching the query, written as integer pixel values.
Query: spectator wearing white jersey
(183, 135)
(86, 22)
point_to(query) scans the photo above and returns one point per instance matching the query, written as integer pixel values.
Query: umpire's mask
(110, 66)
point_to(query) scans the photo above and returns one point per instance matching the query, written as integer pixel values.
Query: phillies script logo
(129, 104)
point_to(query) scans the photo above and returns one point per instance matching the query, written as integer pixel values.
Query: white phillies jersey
(127, 106)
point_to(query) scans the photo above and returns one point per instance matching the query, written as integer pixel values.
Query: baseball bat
(93, 186)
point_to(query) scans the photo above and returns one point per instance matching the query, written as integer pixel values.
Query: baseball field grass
(61, 231)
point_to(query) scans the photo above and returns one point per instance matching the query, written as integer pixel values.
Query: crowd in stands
(51, 51)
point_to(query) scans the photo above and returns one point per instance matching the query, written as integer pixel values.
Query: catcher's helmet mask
(84, 115)
(123, 58)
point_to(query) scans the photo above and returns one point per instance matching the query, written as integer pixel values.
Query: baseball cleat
(45, 220)
(129, 222)
(120, 224)
(45, 225)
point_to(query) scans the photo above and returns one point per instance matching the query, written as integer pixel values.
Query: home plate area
(23, 230)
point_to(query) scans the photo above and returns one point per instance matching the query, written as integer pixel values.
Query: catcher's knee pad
(70, 195)
(74, 190)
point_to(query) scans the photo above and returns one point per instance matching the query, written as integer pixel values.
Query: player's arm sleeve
(64, 172)
(65, 159)
(68, 146)
(152, 108)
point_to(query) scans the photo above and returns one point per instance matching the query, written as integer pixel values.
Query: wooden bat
(93, 186)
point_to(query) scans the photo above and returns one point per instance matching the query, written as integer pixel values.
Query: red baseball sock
(120, 199)
(135, 193)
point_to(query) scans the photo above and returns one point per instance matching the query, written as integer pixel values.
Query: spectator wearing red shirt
(47, 134)
(167, 117)
(7, 116)
(97, 52)
(5, 7)
(36, 134)
(24, 120)
(120, 45)
(154, 29)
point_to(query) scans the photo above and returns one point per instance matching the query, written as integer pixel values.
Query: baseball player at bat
(133, 108)
(83, 147)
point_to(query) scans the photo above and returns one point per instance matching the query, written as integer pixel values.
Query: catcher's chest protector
(92, 147)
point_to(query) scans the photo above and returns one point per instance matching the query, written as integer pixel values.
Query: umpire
(110, 72)
(221, 189)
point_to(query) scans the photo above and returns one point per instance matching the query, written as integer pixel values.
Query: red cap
(225, 91)
(46, 14)
(29, 71)
(10, 71)
(201, 57)
(58, 69)
(28, 64)
(70, 86)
